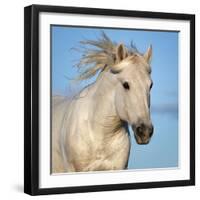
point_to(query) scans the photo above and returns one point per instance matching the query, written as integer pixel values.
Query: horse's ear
(121, 52)
(148, 54)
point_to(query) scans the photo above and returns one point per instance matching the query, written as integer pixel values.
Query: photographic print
(103, 102)
(109, 99)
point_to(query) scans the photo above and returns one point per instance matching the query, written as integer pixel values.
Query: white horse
(90, 132)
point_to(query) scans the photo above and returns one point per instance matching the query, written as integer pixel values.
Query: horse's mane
(98, 55)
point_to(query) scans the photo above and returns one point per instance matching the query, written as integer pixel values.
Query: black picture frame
(31, 98)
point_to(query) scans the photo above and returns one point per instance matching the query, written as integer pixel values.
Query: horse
(90, 132)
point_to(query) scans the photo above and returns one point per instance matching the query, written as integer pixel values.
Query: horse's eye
(126, 85)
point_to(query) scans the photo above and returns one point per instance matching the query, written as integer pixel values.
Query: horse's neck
(103, 113)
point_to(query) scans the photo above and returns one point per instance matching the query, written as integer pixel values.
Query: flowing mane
(98, 56)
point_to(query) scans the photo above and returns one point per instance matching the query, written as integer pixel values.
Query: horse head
(132, 97)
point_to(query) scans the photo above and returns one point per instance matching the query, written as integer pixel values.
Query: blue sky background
(162, 151)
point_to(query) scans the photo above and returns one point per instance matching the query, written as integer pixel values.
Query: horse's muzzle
(143, 133)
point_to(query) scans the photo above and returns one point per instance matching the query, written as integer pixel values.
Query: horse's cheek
(120, 105)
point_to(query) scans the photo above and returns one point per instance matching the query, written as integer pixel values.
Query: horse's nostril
(140, 130)
(151, 131)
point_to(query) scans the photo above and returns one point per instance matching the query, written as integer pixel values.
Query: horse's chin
(141, 141)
